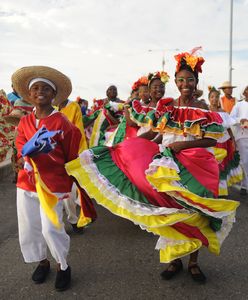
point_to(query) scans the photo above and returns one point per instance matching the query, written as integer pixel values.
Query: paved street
(115, 259)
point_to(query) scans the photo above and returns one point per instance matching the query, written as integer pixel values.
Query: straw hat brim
(224, 87)
(22, 77)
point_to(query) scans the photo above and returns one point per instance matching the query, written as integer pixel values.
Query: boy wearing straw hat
(42, 180)
(227, 101)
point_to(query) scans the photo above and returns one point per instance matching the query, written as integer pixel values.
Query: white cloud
(101, 42)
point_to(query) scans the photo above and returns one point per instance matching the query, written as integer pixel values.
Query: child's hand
(20, 163)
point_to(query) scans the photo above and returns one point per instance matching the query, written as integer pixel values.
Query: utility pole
(230, 42)
(163, 63)
(163, 54)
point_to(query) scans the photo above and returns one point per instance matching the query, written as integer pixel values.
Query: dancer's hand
(177, 146)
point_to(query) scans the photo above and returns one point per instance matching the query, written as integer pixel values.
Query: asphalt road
(115, 259)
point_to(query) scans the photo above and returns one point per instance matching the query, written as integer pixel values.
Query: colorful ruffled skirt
(229, 166)
(122, 132)
(172, 196)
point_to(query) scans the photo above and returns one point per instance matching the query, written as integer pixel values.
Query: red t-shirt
(50, 166)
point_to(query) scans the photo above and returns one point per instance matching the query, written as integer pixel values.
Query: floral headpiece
(163, 76)
(135, 86)
(141, 81)
(213, 89)
(193, 61)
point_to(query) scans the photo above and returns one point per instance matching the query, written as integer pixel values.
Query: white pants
(36, 231)
(242, 145)
(70, 206)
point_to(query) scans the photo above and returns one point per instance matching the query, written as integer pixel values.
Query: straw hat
(14, 117)
(226, 84)
(22, 77)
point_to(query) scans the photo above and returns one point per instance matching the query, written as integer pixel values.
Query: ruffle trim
(178, 120)
(190, 114)
(164, 177)
(167, 125)
(233, 172)
(109, 191)
(219, 154)
(156, 224)
(184, 121)
(95, 135)
(138, 113)
(236, 175)
(150, 218)
(166, 245)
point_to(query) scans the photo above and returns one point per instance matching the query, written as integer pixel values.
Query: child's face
(135, 94)
(157, 89)
(214, 99)
(41, 94)
(144, 93)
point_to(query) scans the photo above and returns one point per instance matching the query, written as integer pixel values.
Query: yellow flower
(191, 60)
(164, 77)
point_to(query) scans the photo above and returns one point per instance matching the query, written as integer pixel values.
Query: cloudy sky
(102, 42)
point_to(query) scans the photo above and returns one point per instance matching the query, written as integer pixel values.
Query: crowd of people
(165, 164)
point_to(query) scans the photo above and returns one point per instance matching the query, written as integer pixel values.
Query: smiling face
(214, 99)
(41, 94)
(156, 89)
(144, 93)
(112, 92)
(186, 83)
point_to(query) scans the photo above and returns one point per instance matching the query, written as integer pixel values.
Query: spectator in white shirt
(240, 114)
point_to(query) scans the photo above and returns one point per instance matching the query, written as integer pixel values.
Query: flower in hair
(193, 61)
(135, 86)
(163, 76)
(212, 89)
(141, 81)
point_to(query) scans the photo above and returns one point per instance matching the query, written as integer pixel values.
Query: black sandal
(168, 274)
(198, 277)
